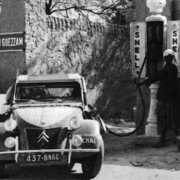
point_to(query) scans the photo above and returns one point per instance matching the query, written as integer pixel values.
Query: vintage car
(50, 123)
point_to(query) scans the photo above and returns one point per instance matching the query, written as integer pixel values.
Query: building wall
(12, 19)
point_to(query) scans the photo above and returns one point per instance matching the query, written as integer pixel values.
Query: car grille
(44, 138)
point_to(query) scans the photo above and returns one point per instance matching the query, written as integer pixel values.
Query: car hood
(47, 117)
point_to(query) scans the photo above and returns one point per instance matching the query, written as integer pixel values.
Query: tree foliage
(111, 10)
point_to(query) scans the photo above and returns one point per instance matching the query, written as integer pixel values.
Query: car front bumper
(19, 153)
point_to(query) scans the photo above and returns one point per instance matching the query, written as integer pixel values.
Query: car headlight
(10, 124)
(10, 142)
(75, 123)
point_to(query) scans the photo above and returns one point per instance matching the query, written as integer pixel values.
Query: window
(49, 91)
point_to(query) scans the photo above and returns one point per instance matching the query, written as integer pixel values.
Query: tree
(111, 10)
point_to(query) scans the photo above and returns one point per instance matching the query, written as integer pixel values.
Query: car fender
(90, 133)
(90, 127)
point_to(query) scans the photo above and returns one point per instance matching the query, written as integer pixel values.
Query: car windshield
(59, 92)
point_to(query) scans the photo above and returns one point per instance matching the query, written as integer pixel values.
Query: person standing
(167, 96)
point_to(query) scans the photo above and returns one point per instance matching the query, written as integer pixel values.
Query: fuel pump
(147, 44)
(151, 46)
(148, 40)
(154, 53)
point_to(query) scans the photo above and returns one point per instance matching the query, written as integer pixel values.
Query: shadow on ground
(139, 151)
(40, 172)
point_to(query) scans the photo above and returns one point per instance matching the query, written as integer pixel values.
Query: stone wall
(99, 52)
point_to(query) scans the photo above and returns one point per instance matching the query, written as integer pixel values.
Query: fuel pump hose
(143, 103)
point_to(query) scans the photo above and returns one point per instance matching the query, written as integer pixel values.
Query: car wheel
(92, 165)
(70, 167)
(2, 169)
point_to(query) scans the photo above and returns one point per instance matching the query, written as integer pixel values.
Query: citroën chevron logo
(43, 136)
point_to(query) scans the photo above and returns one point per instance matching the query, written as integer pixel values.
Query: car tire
(2, 166)
(71, 165)
(92, 165)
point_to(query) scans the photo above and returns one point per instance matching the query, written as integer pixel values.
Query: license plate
(44, 157)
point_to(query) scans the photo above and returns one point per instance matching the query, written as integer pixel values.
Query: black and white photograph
(90, 89)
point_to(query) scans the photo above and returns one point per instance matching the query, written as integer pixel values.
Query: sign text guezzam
(18, 41)
(12, 42)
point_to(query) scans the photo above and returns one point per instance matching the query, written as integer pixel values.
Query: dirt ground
(139, 151)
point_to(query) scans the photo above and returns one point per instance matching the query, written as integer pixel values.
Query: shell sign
(138, 47)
